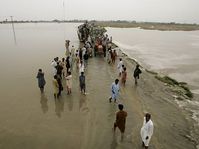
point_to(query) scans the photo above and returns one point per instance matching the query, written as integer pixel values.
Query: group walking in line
(63, 69)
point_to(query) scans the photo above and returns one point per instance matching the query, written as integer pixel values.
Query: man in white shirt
(119, 66)
(81, 67)
(54, 65)
(146, 130)
(83, 51)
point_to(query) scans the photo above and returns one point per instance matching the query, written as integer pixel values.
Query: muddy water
(174, 53)
(29, 120)
(171, 52)
(33, 121)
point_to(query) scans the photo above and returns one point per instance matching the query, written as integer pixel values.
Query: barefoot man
(114, 90)
(120, 120)
(146, 130)
(67, 44)
(136, 73)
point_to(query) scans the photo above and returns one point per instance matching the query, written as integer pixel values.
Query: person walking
(124, 76)
(146, 130)
(41, 80)
(119, 66)
(120, 120)
(109, 56)
(113, 56)
(63, 64)
(80, 54)
(67, 44)
(60, 86)
(73, 51)
(69, 83)
(81, 67)
(82, 83)
(136, 73)
(54, 66)
(86, 56)
(114, 90)
(59, 69)
(77, 60)
(55, 86)
(68, 64)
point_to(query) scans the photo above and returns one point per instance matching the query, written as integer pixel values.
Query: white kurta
(83, 51)
(54, 64)
(69, 81)
(81, 68)
(119, 66)
(147, 130)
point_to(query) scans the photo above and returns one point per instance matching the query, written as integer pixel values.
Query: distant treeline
(172, 26)
(42, 21)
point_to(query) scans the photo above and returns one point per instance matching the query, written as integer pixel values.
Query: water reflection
(44, 103)
(70, 104)
(82, 101)
(59, 107)
(114, 142)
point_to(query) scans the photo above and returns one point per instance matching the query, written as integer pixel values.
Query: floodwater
(30, 120)
(174, 53)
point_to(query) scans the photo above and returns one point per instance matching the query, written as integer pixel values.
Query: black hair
(148, 115)
(120, 106)
(116, 80)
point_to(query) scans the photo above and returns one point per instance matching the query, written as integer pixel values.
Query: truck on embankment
(94, 34)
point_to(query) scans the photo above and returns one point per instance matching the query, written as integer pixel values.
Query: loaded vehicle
(93, 33)
(98, 48)
(83, 32)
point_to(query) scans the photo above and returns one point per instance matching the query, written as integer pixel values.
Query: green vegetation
(188, 92)
(180, 86)
(167, 80)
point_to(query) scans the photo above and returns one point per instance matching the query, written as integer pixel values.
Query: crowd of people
(62, 71)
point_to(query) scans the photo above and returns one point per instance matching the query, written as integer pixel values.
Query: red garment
(121, 120)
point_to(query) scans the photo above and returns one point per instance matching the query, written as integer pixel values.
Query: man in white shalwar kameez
(146, 130)
(54, 65)
(114, 90)
(119, 67)
(81, 67)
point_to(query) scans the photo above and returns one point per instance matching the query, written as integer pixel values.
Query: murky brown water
(173, 53)
(29, 120)
(170, 52)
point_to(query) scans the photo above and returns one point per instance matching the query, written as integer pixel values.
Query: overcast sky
(183, 11)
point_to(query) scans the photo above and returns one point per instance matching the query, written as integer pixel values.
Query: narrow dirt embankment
(171, 128)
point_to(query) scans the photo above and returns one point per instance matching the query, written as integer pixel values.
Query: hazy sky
(183, 11)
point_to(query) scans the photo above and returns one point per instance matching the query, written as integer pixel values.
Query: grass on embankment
(180, 87)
